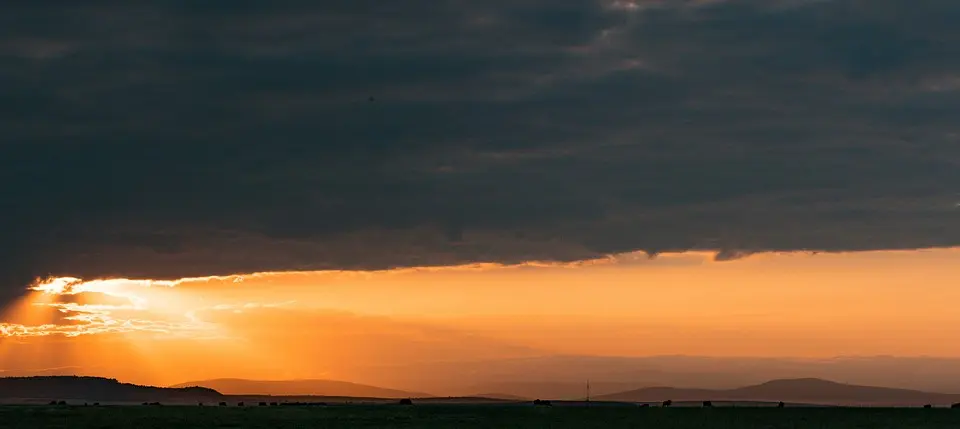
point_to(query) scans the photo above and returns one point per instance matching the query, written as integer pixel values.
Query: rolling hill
(803, 390)
(557, 390)
(96, 389)
(499, 396)
(235, 386)
(456, 378)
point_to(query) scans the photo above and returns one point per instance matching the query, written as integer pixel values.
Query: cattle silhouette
(239, 404)
(667, 403)
(543, 403)
(781, 404)
(957, 405)
(273, 404)
(406, 401)
(644, 405)
(707, 404)
(262, 404)
(223, 404)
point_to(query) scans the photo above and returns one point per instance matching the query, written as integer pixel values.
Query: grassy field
(470, 416)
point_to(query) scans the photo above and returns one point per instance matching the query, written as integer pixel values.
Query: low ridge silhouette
(309, 387)
(80, 389)
(566, 390)
(97, 389)
(803, 390)
(500, 396)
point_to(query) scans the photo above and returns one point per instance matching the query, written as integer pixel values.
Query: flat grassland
(470, 416)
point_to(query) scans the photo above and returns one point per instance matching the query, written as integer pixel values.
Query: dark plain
(472, 416)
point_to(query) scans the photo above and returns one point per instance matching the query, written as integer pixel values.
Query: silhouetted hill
(803, 390)
(553, 389)
(498, 375)
(97, 389)
(234, 386)
(500, 396)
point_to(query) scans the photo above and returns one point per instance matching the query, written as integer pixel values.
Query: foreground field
(470, 416)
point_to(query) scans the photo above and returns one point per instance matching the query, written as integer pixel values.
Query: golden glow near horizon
(318, 324)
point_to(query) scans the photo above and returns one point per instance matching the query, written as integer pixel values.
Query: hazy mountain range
(552, 389)
(539, 375)
(567, 375)
(807, 391)
(235, 386)
(96, 389)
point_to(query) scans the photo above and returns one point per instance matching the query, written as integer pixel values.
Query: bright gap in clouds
(171, 307)
(72, 307)
(327, 324)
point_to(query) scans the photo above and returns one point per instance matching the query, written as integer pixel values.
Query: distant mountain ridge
(500, 396)
(801, 390)
(455, 378)
(797, 391)
(97, 389)
(307, 387)
(557, 390)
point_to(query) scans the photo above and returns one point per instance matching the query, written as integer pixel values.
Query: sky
(315, 184)
(339, 324)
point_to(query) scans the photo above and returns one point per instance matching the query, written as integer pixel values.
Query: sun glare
(307, 323)
(72, 307)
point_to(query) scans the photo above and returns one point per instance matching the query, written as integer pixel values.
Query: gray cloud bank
(164, 139)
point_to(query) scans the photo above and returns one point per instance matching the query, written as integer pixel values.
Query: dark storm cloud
(165, 139)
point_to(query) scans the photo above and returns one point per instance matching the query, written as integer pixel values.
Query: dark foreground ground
(470, 416)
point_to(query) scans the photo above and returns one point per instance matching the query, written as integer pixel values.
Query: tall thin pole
(588, 391)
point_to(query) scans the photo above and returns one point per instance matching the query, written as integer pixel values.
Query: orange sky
(322, 324)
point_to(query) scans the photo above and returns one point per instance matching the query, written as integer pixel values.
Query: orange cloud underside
(325, 324)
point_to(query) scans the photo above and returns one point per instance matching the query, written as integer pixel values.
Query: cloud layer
(163, 139)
